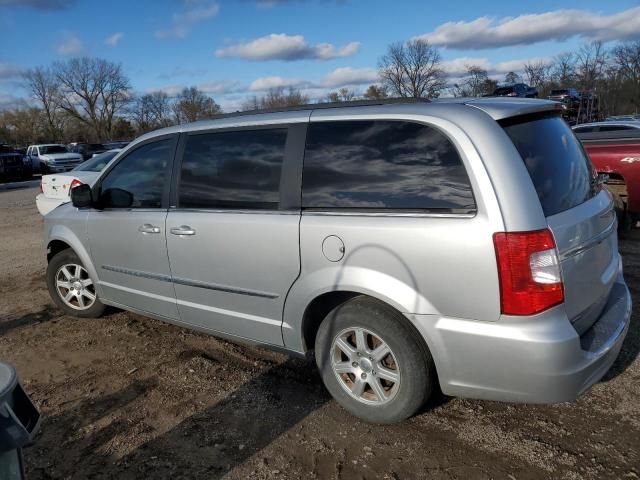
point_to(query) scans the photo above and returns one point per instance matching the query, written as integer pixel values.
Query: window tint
(141, 174)
(614, 128)
(584, 129)
(382, 164)
(559, 168)
(239, 169)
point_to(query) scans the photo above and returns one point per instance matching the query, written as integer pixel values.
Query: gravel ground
(129, 397)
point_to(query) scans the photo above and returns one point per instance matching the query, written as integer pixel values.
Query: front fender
(73, 233)
(339, 278)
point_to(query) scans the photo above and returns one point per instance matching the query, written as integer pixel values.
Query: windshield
(559, 92)
(97, 163)
(48, 149)
(504, 90)
(559, 168)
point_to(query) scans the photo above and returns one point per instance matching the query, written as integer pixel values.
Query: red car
(614, 149)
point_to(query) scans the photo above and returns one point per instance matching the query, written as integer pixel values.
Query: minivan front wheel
(372, 363)
(71, 287)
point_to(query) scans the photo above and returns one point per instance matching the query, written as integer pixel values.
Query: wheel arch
(318, 309)
(322, 304)
(62, 238)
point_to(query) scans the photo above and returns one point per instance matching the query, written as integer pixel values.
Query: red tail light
(74, 183)
(529, 272)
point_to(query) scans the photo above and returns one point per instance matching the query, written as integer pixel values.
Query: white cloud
(457, 67)
(170, 90)
(11, 102)
(280, 46)
(487, 32)
(266, 83)
(113, 40)
(344, 76)
(193, 11)
(274, 3)
(8, 71)
(218, 87)
(70, 46)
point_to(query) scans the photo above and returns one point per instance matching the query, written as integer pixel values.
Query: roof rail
(323, 106)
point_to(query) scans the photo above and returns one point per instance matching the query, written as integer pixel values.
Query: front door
(127, 236)
(233, 246)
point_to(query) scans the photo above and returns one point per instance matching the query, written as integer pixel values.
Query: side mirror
(116, 198)
(81, 196)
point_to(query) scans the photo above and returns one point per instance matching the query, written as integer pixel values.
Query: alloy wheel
(75, 287)
(365, 366)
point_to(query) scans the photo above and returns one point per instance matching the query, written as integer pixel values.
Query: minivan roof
(496, 107)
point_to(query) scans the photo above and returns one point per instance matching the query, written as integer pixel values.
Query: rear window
(560, 170)
(49, 149)
(504, 90)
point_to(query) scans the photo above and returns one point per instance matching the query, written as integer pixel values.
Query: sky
(232, 49)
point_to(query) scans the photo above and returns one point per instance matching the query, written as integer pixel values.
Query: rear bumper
(539, 359)
(45, 205)
(61, 168)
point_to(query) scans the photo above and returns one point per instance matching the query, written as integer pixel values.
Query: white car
(56, 188)
(52, 158)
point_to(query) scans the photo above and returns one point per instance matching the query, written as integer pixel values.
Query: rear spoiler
(500, 108)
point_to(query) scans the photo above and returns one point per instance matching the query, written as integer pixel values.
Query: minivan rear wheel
(372, 361)
(71, 287)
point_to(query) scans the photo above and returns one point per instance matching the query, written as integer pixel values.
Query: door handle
(183, 230)
(148, 228)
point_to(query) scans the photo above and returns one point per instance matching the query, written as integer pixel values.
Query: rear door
(233, 235)
(579, 213)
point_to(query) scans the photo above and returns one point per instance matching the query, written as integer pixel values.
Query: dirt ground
(129, 397)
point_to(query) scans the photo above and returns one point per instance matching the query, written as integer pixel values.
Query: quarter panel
(419, 265)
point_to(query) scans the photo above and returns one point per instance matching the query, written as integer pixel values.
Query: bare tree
(626, 58)
(537, 73)
(342, 95)
(474, 84)
(375, 92)
(23, 126)
(93, 91)
(591, 64)
(512, 77)
(563, 69)
(43, 86)
(412, 69)
(151, 111)
(277, 98)
(192, 105)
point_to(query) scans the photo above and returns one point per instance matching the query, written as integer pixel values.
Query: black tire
(43, 168)
(413, 360)
(69, 257)
(625, 221)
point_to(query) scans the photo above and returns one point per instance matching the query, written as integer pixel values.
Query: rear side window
(585, 129)
(239, 169)
(558, 166)
(383, 165)
(614, 128)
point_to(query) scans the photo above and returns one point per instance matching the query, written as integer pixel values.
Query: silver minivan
(464, 245)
